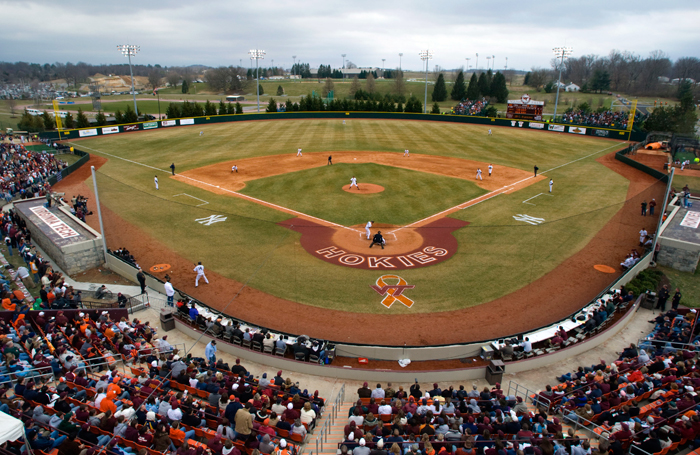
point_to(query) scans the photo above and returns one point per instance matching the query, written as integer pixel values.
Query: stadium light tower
(128, 50)
(467, 59)
(493, 64)
(488, 62)
(383, 60)
(400, 55)
(425, 56)
(343, 55)
(506, 63)
(560, 52)
(477, 62)
(257, 54)
(294, 59)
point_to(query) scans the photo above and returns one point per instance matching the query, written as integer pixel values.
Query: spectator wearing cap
(364, 391)
(239, 369)
(362, 448)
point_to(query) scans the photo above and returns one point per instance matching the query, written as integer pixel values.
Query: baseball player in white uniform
(478, 174)
(490, 169)
(551, 184)
(155, 180)
(234, 168)
(299, 152)
(353, 182)
(200, 274)
(405, 153)
(367, 226)
(490, 132)
(201, 133)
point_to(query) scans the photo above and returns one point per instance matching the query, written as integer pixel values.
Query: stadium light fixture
(383, 60)
(294, 59)
(425, 56)
(560, 52)
(257, 54)
(467, 59)
(400, 55)
(128, 50)
(493, 63)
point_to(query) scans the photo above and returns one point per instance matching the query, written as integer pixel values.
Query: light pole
(257, 54)
(476, 67)
(488, 62)
(562, 52)
(506, 63)
(467, 59)
(128, 50)
(383, 60)
(294, 58)
(343, 55)
(493, 65)
(425, 56)
(400, 55)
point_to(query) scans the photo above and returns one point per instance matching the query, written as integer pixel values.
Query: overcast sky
(220, 32)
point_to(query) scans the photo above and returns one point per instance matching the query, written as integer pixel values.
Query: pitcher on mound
(353, 182)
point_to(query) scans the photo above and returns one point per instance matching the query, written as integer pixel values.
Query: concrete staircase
(325, 441)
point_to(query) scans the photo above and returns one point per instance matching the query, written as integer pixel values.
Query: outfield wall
(635, 136)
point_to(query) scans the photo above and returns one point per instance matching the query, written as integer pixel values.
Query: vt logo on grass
(393, 292)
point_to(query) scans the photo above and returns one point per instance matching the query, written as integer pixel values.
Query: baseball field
(285, 231)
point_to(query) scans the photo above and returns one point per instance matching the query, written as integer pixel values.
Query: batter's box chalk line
(203, 202)
(533, 197)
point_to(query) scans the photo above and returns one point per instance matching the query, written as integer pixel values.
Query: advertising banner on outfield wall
(559, 128)
(577, 130)
(187, 121)
(110, 130)
(131, 127)
(168, 123)
(90, 132)
(601, 133)
(150, 125)
(537, 126)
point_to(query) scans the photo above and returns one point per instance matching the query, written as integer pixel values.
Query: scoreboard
(525, 108)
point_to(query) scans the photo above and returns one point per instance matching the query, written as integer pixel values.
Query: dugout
(684, 148)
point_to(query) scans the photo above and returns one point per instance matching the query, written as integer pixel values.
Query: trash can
(494, 372)
(649, 300)
(167, 319)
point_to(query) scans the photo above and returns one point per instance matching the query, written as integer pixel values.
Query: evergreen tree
(197, 109)
(261, 90)
(473, 89)
(82, 119)
(459, 91)
(209, 108)
(230, 108)
(26, 122)
(328, 86)
(499, 89)
(68, 121)
(100, 119)
(370, 85)
(399, 107)
(239, 108)
(47, 119)
(119, 117)
(600, 81)
(527, 79)
(484, 88)
(440, 90)
(355, 86)
(222, 108)
(280, 90)
(185, 86)
(37, 124)
(271, 106)
(173, 111)
(289, 106)
(129, 115)
(435, 109)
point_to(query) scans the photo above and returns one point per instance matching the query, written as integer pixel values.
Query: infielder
(200, 274)
(551, 184)
(367, 226)
(299, 152)
(155, 180)
(478, 174)
(234, 168)
(405, 153)
(490, 169)
(353, 182)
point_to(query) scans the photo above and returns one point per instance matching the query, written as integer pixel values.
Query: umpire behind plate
(377, 239)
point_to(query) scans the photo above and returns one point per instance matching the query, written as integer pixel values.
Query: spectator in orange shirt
(107, 403)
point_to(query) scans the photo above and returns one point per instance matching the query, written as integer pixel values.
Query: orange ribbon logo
(393, 292)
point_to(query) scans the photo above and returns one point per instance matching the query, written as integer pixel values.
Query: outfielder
(234, 168)
(490, 169)
(551, 184)
(299, 152)
(490, 134)
(405, 153)
(155, 180)
(478, 174)
(353, 182)
(367, 226)
(200, 274)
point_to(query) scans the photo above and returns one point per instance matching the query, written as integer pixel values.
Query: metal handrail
(519, 390)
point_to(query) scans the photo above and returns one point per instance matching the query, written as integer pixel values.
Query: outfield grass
(408, 195)
(497, 254)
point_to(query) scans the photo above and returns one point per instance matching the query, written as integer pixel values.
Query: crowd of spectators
(470, 107)
(25, 173)
(177, 403)
(607, 119)
(79, 208)
(125, 255)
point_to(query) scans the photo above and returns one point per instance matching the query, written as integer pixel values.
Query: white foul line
(584, 157)
(243, 196)
(533, 197)
(185, 194)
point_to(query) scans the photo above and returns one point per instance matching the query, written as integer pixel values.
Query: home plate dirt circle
(365, 188)
(403, 241)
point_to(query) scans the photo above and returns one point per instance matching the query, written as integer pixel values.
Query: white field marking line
(185, 194)
(243, 196)
(505, 189)
(584, 157)
(533, 197)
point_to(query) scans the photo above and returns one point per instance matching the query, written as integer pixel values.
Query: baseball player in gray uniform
(200, 274)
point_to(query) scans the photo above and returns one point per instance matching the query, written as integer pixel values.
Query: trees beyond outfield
(440, 90)
(499, 90)
(459, 91)
(473, 89)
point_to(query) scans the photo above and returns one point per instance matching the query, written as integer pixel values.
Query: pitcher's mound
(365, 188)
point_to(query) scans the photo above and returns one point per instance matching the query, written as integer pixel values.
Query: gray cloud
(220, 32)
